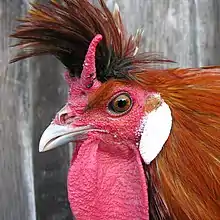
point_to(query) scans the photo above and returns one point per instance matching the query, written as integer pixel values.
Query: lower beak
(58, 135)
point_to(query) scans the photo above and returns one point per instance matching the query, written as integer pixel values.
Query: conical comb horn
(89, 67)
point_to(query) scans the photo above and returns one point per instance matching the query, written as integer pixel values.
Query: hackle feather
(186, 174)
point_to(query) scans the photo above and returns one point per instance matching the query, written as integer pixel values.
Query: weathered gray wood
(169, 26)
(32, 184)
(50, 168)
(208, 32)
(16, 178)
(31, 92)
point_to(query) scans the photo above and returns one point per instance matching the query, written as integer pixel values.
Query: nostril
(62, 118)
(66, 118)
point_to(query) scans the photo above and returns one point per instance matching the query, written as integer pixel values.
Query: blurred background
(33, 184)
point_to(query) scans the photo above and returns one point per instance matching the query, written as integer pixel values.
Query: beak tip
(44, 147)
(41, 148)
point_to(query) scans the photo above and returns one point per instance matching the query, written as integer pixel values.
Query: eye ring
(120, 104)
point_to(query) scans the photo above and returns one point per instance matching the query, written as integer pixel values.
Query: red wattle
(104, 184)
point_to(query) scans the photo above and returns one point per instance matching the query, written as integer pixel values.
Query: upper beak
(57, 135)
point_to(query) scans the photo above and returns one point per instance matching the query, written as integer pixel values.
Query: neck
(105, 184)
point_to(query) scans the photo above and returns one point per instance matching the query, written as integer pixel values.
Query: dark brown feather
(65, 31)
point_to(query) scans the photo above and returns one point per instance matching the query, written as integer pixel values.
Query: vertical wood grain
(50, 168)
(169, 27)
(32, 185)
(208, 32)
(17, 199)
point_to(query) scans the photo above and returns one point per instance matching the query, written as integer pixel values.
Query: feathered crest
(66, 30)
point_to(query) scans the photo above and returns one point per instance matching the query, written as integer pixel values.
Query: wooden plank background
(33, 185)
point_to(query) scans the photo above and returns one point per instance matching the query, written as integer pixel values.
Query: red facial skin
(106, 179)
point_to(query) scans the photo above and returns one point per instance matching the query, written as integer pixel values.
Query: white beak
(58, 135)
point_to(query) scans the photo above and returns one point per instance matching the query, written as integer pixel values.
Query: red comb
(89, 67)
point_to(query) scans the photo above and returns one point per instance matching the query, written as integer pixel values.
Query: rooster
(147, 140)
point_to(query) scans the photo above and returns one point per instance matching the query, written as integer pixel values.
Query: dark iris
(120, 104)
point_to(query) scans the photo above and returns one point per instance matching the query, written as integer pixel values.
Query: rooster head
(115, 125)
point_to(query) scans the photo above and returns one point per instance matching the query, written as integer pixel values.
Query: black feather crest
(66, 30)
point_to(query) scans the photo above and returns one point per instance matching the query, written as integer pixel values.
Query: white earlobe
(155, 130)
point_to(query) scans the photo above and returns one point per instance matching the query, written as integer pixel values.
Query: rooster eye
(120, 104)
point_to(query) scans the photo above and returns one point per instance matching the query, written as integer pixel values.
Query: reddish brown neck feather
(185, 176)
(186, 173)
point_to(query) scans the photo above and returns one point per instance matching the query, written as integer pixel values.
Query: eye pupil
(120, 104)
